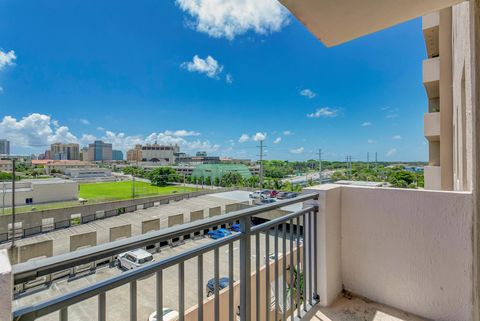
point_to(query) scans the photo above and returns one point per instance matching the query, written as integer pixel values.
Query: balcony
(431, 77)
(361, 252)
(431, 27)
(432, 126)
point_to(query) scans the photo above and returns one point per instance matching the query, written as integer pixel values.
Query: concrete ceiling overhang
(337, 21)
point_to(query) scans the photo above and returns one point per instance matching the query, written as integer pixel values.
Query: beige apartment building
(153, 153)
(447, 77)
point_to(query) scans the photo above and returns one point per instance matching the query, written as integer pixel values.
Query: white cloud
(287, 133)
(87, 139)
(391, 116)
(324, 112)
(38, 131)
(307, 93)
(277, 140)
(181, 133)
(392, 152)
(100, 128)
(229, 78)
(366, 124)
(259, 136)
(299, 150)
(244, 138)
(7, 58)
(34, 130)
(228, 19)
(84, 121)
(397, 137)
(371, 141)
(208, 66)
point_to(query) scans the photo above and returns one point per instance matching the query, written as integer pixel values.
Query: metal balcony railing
(294, 287)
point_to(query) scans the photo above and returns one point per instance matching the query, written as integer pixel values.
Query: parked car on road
(259, 194)
(222, 284)
(292, 195)
(219, 233)
(282, 195)
(168, 315)
(134, 259)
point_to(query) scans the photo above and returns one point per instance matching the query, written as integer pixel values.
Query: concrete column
(6, 287)
(446, 99)
(475, 37)
(328, 229)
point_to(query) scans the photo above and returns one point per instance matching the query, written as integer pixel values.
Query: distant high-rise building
(4, 147)
(99, 151)
(117, 155)
(62, 151)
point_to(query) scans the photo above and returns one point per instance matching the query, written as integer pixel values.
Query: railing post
(245, 257)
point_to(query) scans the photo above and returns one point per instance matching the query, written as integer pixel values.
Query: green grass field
(104, 192)
(98, 192)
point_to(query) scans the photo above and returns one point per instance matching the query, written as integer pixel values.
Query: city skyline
(207, 86)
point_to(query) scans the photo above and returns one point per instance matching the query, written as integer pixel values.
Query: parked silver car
(133, 259)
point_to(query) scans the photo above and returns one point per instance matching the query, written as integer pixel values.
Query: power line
(320, 165)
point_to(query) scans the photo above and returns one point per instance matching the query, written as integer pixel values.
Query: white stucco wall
(6, 286)
(462, 97)
(410, 249)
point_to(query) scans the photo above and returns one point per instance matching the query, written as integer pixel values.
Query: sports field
(104, 192)
(97, 192)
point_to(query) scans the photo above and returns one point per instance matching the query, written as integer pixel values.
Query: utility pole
(368, 159)
(320, 165)
(349, 167)
(13, 202)
(261, 163)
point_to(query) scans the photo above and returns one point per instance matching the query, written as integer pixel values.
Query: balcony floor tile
(358, 309)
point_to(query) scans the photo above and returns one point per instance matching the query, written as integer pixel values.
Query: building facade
(60, 151)
(154, 153)
(28, 192)
(99, 151)
(447, 77)
(4, 147)
(117, 155)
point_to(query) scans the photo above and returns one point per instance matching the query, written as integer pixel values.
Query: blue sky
(132, 72)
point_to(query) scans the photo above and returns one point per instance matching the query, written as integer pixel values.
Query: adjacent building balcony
(340, 252)
(431, 77)
(432, 126)
(431, 27)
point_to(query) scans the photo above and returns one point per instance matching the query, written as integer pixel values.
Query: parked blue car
(222, 284)
(235, 227)
(219, 233)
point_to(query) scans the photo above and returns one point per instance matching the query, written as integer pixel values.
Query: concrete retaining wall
(175, 220)
(27, 252)
(236, 207)
(83, 240)
(120, 232)
(150, 225)
(196, 215)
(214, 211)
(34, 219)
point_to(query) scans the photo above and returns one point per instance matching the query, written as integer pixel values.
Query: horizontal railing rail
(295, 285)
